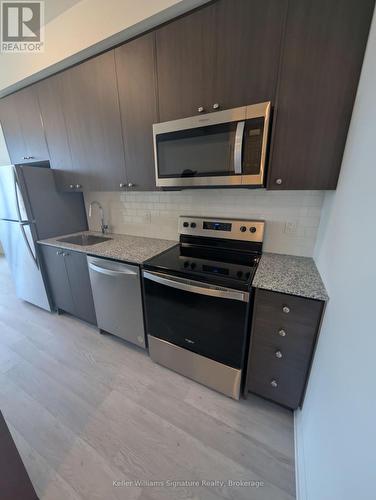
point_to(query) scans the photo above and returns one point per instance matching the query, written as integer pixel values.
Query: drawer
(280, 383)
(281, 354)
(288, 310)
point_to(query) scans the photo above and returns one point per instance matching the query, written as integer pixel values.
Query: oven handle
(196, 287)
(238, 147)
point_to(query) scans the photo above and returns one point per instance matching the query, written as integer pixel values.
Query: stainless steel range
(197, 300)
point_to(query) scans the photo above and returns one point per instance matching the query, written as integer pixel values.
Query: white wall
(156, 214)
(336, 429)
(76, 29)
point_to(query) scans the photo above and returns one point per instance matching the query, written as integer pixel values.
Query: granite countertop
(289, 274)
(124, 247)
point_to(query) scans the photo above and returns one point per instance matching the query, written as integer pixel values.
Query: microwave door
(238, 147)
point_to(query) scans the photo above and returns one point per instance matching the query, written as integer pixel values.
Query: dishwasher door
(117, 298)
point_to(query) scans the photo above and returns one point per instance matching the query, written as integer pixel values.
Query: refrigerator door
(19, 249)
(53, 213)
(12, 206)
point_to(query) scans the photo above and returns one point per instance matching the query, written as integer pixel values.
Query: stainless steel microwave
(225, 148)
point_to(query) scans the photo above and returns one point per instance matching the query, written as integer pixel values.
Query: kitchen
(161, 192)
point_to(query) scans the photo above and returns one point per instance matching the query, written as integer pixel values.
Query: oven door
(204, 319)
(216, 149)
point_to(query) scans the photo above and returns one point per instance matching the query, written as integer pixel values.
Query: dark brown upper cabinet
(92, 117)
(135, 67)
(219, 57)
(22, 126)
(247, 51)
(322, 58)
(185, 64)
(49, 92)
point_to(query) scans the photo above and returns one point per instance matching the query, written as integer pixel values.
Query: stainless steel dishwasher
(117, 298)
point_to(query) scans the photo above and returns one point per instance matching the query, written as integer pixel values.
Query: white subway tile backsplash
(155, 214)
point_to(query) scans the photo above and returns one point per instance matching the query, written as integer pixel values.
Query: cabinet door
(322, 58)
(248, 46)
(57, 277)
(91, 108)
(12, 129)
(185, 64)
(135, 65)
(22, 126)
(79, 280)
(49, 94)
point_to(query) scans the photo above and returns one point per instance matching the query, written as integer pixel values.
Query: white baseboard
(300, 469)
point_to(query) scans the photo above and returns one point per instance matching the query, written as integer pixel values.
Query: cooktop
(219, 251)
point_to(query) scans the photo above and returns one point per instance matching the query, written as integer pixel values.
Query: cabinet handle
(278, 354)
(286, 309)
(200, 109)
(59, 252)
(282, 332)
(216, 105)
(274, 383)
(278, 181)
(65, 254)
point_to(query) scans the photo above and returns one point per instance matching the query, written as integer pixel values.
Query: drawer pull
(282, 332)
(278, 354)
(274, 383)
(286, 309)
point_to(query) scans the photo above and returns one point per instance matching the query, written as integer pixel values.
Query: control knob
(252, 229)
(193, 224)
(185, 224)
(243, 229)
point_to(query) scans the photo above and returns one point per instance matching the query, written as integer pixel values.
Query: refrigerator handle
(17, 198)
(27, 243)
(21, 224)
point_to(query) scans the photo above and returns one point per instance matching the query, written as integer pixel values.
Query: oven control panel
(239, 229)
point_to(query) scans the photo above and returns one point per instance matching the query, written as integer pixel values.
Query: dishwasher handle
(110, 272)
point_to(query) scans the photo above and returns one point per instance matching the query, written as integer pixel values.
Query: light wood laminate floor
(86, 410)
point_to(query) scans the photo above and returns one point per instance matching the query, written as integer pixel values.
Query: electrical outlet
(291, 227)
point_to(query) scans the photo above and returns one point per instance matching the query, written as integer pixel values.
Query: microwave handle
(238, 146)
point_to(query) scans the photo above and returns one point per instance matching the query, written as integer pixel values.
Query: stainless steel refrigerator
(32, 209)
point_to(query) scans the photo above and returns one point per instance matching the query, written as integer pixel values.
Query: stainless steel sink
(84, 239)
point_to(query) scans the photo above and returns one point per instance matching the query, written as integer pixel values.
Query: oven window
(200, 152)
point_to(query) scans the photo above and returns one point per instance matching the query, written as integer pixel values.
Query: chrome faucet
(104, 227)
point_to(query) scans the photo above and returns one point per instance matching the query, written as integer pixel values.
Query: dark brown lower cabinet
(69, 282)
(283, 337)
